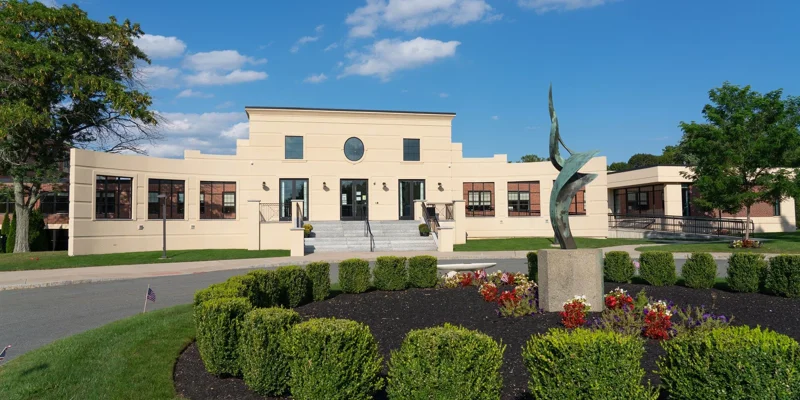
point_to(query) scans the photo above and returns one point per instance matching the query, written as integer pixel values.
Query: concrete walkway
(66, 276)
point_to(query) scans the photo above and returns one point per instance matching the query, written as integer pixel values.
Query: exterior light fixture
(264, 186)
(385, 187)
(325, 185)
(440, 186)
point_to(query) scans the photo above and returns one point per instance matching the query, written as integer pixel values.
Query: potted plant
(307, 228)
(424, 230)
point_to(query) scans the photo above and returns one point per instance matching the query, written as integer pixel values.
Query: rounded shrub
(334, 359)
(783, 276)
(295, 287)
(354, 275)
(446, 362)
(217, 323)
(733, 363)
(699, 271)
(246, 284)
(224, 290)
(618, 267)
(585, 364)
(267, 288)
(390, 273)
(265, 368)
(657, 268)
(422, 271)
(746, 271)
(533, 266)
(319, 273)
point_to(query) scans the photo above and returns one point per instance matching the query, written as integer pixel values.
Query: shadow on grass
(35, 369)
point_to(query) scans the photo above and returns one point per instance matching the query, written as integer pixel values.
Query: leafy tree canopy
(532, 158)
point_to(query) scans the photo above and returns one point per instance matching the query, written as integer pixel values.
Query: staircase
(348, 236)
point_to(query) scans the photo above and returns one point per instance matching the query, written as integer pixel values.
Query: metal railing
(440, 211)
(298, 216)
(270, 212)
(368, 233)
(679, 224)
(430, 217)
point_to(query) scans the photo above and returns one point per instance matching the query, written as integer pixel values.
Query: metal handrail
(431, 220)
(298, 216)
(680, 224)
(368, 233)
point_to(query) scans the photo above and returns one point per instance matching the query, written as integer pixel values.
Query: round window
(354, 149)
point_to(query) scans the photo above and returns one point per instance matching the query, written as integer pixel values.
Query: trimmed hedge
(390, 273)
(267, 288)
(533, 266)
(224, 290)
(585, 364)
(217, 322)
(319, 273)
(332, 359)
(733, 363)
(699, 271)
(618, 267)
(783, 276)
(422, 271)
(746, 271)
(265, 368)
(657, 268)
(447, 362)
(354, 275)
(294, 284)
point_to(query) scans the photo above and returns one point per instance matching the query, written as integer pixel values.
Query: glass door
(410, 190)
(354, 203)
(293, 189)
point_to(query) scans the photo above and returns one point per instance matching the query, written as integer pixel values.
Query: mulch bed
(390, 315)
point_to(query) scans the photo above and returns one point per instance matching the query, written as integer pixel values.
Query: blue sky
(625, 72)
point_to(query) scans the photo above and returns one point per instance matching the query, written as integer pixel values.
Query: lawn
(60, 259)
(780, 243)
(129, 359)
(536, 243)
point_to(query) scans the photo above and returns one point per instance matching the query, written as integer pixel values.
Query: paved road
(30, 318)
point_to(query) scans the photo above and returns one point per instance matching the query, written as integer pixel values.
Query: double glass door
(293, 189)
(354, 203)
(410, 190)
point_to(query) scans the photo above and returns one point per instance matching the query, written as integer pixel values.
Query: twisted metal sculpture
(568, 182)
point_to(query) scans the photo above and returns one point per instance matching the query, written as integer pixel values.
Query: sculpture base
(564, 274)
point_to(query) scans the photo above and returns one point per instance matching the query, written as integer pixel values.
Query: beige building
(319, 165)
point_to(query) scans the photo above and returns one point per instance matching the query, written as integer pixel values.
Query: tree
(37, 237)
(10, 240)
(741, 151)
(641, 160)
(65, 81)
(532, 158)
(618, 166)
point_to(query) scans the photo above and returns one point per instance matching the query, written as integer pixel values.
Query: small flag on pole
(151, 295)
(3, 353)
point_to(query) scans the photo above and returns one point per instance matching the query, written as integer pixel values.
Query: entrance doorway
(354, 203)
(410, 190)
(293, 189)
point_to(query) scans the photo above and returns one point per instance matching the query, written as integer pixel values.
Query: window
(217, 200)
(410, 149)
(480, 199)
(293, 189)
(776, 209)
(523, 199)
(354, 149)
(578, 205)
(686, 200)
(294, 148)
(54, 203)
(646, 200)
(174, 192)
(6, 203)
(113, 196)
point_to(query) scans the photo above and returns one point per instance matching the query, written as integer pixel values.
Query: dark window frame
(207, 200)
(412, 149)
(179, 211)
(476, 204)
(7, 203)
(641, 200)
(776, 209)
(105, 211)
(293, 153)
(49, 203)
(515, 205)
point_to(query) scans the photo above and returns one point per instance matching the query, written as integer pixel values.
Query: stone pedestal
(564, 274)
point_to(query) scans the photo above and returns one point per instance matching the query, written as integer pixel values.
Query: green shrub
(699, 271)
(585, 364)
(5, 228)
(319, 273)
(746, 271)
(247, 285)
(657, 268)
(266, 288)
(224, 290)
(734, 363)
(447, 362)
(424, 230)
(618, 267)
(307, 228)
(217, 322)
(533, 266)
(390, 273)
(295, 286)
(265, 368)
(11, 237)
(332, 359)
(422, 271)
(354, 275)
(783, 276)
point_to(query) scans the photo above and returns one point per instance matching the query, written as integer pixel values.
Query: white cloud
(319, 28)
(303, 40)
(227, 104)
(413, 15)
(493, 18)
(194, 93)
(331, 46)
(158, 76)
(207, 132)
(390, 55)
(49, 3)
(158, 47)
(543, 6)
(215, 78)
(224, 60)
(444, 95)
(316, 78)
(495, 117)
(239, 131)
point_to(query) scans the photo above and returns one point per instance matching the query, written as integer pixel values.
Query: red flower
(657, 325)
(489, 292)
(466, 279)
(574, 315)
(508, 297)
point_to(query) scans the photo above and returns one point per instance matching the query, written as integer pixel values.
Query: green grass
(536, 243)
(128, 359)
(60, 259)
(782, 243)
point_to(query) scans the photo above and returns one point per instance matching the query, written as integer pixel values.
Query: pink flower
(636, 264)
(480, 274)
